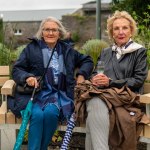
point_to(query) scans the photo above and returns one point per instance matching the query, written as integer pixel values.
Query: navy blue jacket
(30, 63)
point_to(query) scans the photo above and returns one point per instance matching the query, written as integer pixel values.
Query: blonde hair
(117, 15)
(62, 29)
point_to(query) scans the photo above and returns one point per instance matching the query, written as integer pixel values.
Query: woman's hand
(100, 80)
(32, 81)
(80, 79)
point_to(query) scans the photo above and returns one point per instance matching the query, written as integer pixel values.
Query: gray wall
(84, 26)
(28, 29)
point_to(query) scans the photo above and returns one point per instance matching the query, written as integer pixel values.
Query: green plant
(8, 54)
(131, 5)
(93, 48)
(1, 30)
(15, 54)
(75, 36)
(143, 36)
(80, 18)
(26, 136)
(56, 137)
(4, 55)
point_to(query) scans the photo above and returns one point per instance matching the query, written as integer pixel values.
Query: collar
(129, 47)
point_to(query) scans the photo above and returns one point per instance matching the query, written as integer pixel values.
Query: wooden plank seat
(9, 124)
(4, 74)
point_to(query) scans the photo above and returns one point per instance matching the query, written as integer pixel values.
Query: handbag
(26, 89)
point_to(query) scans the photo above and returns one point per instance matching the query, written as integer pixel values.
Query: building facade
(21, 25)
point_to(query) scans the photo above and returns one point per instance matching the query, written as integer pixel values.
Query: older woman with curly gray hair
(124, 65)
(55, 100)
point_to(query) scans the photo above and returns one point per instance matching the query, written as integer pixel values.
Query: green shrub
(4, 55)
(93, 48)
(75, 37)
(1, 31)
(143, 36)
(15, 54)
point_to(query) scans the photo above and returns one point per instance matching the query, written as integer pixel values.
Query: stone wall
(28, 30)
(83, 26)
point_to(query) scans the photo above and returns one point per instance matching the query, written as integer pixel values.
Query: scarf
(129, 47)
(55, 79)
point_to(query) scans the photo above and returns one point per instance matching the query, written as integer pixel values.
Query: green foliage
(56, 137)
(8, 55)
(80, 18)
(26, 136)
(4, 55)
(143, 27)
(1, 31)
(139, 6)
(4, 51)
(143, 36)
(75, 37)
(148, 58)
(15, 54)
(93, 48)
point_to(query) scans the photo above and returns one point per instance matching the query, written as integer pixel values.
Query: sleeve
(84, 64)
(137, 75)
(21, 68)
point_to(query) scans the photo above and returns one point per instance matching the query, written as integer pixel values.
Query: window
(18, 32)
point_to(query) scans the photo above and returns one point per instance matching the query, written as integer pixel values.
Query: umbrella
(67, 137)
(25, 119)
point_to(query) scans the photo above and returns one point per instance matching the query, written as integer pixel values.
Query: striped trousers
(97, 125)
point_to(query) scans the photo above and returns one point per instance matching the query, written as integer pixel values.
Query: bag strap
(41, 78)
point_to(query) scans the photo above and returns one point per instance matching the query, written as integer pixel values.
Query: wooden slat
(3, 110)
(18, 120)
(2, 119)
(146, 131)
(145, 98)
(3, 80)
(146, 88)
(10, 118)
(4, 70)
(7, 88)
(148, 77)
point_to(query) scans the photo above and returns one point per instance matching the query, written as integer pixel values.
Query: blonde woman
(125, 64)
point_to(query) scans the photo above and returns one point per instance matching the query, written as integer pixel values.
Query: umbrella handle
(33, 93)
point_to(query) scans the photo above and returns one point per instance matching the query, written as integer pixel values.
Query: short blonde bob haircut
(62, 29)
(118, 15)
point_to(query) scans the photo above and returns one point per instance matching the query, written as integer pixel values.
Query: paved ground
(141, 146)
(77, 143)
(24, 147)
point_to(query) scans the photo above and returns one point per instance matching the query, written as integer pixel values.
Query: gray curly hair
(62, 29)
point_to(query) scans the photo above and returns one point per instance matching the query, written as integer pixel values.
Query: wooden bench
(4, 76)
(9, 124)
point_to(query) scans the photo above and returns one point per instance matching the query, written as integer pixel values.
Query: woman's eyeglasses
(48, 30)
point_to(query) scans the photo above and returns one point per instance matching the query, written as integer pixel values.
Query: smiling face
(50, 33)
(121, 31)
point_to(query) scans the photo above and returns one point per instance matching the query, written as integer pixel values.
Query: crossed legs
(97, 125)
